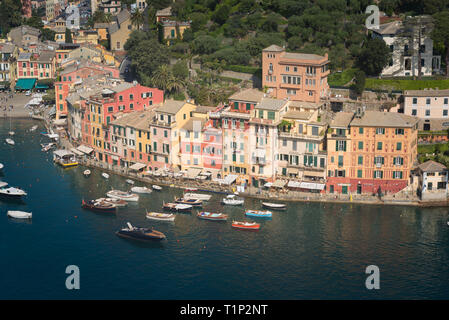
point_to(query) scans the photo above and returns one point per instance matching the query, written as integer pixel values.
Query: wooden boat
(141, 190)
(10, 141)
(179, 207)
(156, 187)
(98, 206)
(199, 196)
(192, 202)
(117, 194)
(212, 216)
(232, 200)
(19, 214)
(160, 216)
(245, 225)
(275, 206)
(105, 175)
(258, 213)
(12, 193)
(129, 181)
(117, 202)
(87, 173)
(141, 234)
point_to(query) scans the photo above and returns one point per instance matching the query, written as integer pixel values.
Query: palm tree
(137, 19)
(161, 77)
(175, 85)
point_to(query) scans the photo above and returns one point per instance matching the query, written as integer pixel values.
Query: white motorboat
(156, 187)
(129, 181)
(276, 206)
(141, 190)
(117, 194)
(33, 128)
(105, 175)
(3, 184)
(11, 133)
(232, 200)
(19, 214)
(1, 166)
(10, 141)
(116, 202)
(87, 172)
(199, 196)
(11, 192)
(47, 146)
(160, 216)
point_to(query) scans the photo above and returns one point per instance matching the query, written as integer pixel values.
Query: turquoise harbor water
(311, 251)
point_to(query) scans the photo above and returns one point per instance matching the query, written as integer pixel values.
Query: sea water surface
(310, 251)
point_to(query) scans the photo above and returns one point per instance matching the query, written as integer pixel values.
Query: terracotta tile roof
(252, 95)
(171, 106)
(432, 166)
(384, 119)
(342, 119)
(426, 93)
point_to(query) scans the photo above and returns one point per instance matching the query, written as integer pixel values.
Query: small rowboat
(160, 216)
(199, 196)
(258, 213)
(98, 206)
(105, 175)
(129, 181)
(212, 216)
(245, 225)
(86, 173)
(141, 234)
(117, 202)
(275, 206)
(117, 194)
(156, 187)
(19, 214)
(141, 190)
(10, 141)
(177, 207)
(192, 202)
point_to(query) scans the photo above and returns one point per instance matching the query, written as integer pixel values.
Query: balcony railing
(293, 134)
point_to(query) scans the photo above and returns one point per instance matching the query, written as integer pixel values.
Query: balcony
(292, 134)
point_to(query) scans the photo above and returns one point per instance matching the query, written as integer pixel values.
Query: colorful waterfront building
(74, 74)
(302, 143)
(166, 126)
(36, 65)
(296, 76)
(371, 152)
(8, 67)
(236, 134)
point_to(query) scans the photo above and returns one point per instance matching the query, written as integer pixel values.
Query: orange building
(297, 76)
(371, 152)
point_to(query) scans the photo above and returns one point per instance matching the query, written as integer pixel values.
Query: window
(271, 115)
(397, 174)
(413, 112)
(360, 145)
(380, 130)
(340, 161)
(428, 101)
(379, 146)
(399, 131)
(427, 113)
(248, 106)
(444, 113)
(399, 146)
(360, 160)
(340, 145)
(359, 173)
(445, 101)
(415, 101)
(360, 130)
(378, 174)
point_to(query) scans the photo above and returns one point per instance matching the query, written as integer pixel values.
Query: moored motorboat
(156, 187)
(141, 190)
(19, 214)
(141, 234)
(129, 181)
(160, 216)
(47, 146)
(117, 194)
(232, 200)
(105, 175)
(245, 225)
(33, 128)
(179, 207)
(259, 213)
(191, 189)
(87, 173)
(1, 166)
(10, 141)
(192, 202)
(117, 202)
(200, 196)
(98, 206)
(11, 192)
(212, 216)
(11, 133)
(275, 206)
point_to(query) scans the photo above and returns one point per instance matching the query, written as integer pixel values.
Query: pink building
(296, 76)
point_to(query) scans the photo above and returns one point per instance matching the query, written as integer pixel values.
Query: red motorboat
(245, 225)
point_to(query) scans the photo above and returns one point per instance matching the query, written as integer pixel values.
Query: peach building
(371, 152)
(297, 76)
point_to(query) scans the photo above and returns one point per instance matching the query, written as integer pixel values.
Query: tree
(440, 34)
(137, 19)
(161, 77)
(68, 36)
(10, 15)
(373, 57)
(221, 14)
(180, 70)
(205, 44)
(359, 82)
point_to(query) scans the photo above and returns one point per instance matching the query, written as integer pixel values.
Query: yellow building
(174, 29)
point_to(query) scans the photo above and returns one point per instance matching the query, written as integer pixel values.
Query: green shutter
(359, 173)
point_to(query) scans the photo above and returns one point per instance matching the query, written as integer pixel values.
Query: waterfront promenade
(18, 102)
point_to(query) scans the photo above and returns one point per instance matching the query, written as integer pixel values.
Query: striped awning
(279, 183)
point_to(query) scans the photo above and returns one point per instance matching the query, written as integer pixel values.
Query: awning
(192, 173)
(62, 153)
(77, 152)
(85, 149)
(41, 86)
(279, 183)
(60, 122)
(294, 184)
(137, 166)
(312, 186)
(25, 84)
(230, 178)
(292, 171)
